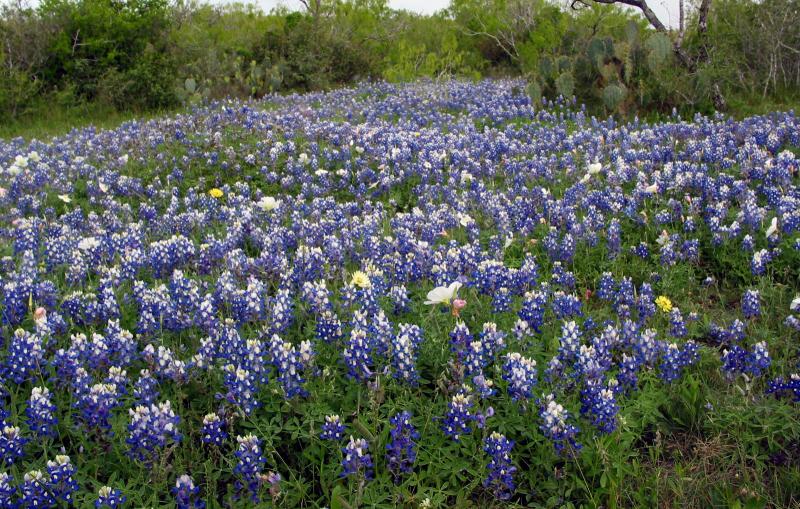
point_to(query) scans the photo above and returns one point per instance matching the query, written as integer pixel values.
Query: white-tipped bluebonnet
(151, 429)
(12, 444)
(534, 305)
(674, 359)
(213, 430)
(556, 426)
(401, 451)
(35, 491)
(357, 460)
(187, 493)
(521, 375)
(62, 483)
(249, 466)
(40, 412)
(109, 497)
(500, 470)
(357, 355)
(8, 491)
(404, 350)
(241, 388)
(751, 304)
(599, 403)
(459, 415)
(332, 428)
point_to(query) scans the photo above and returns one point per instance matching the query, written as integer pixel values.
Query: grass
(45, 120)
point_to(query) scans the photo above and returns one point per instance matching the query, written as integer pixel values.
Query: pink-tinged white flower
(464, 219)
(458, 305)
(442, 294)
(773, 227)
(268, 203)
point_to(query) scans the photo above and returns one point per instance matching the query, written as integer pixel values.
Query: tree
(688, 61)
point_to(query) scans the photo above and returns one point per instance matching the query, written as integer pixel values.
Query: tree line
(616, 56)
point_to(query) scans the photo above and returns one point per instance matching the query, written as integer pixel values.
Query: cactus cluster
(607, 70)
(249, 78)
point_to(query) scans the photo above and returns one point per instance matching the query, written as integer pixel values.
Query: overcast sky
(667, 10)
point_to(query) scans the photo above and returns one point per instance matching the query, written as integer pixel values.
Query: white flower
(651, 189)
(442, 295)
(595, 168)
(341, 172)
(103, 187)
(14, 170)
(795, 305)
(466, 177)
(663, 238)
(88, 243)
(268, 203)
(320, 173)
(34, 156)
(303, 158)
(21, 161)
(65, 198)
(509, 240)
(464, 219)
(773, 227)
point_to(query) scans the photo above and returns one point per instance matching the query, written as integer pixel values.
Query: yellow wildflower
(360, 279)
(664, 303)
(216, 193)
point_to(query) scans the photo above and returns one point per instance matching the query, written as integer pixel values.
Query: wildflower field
(423, 295)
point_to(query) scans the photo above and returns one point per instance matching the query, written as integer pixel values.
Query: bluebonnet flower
(35, 491)
(12, 444)
(248, 468)
(25, 357)
(358, 355)
(151, 429)
(677, 323)
(186, 493)
(556, 427)
(459, 415)
(213, 430)
(62, 483)
(405, 348)
(400, 300)
(520, 373)
(534, 305)
(785, 388)
(565, 305)
(7, 491)
(291, 363)
(401, 451)
(40, 413)
(241, 387)
(500, 477)
(145, 389)
(570, 341)
(751, 304)
(109, 497)
(599, 402)
(332, 428)
(357, 461)
(675, 359)
(758, 361)
(460, 338)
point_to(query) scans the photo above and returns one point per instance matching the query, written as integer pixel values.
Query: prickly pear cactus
(659, 48)
(535, 92)
(565, 84)
(613, 95)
